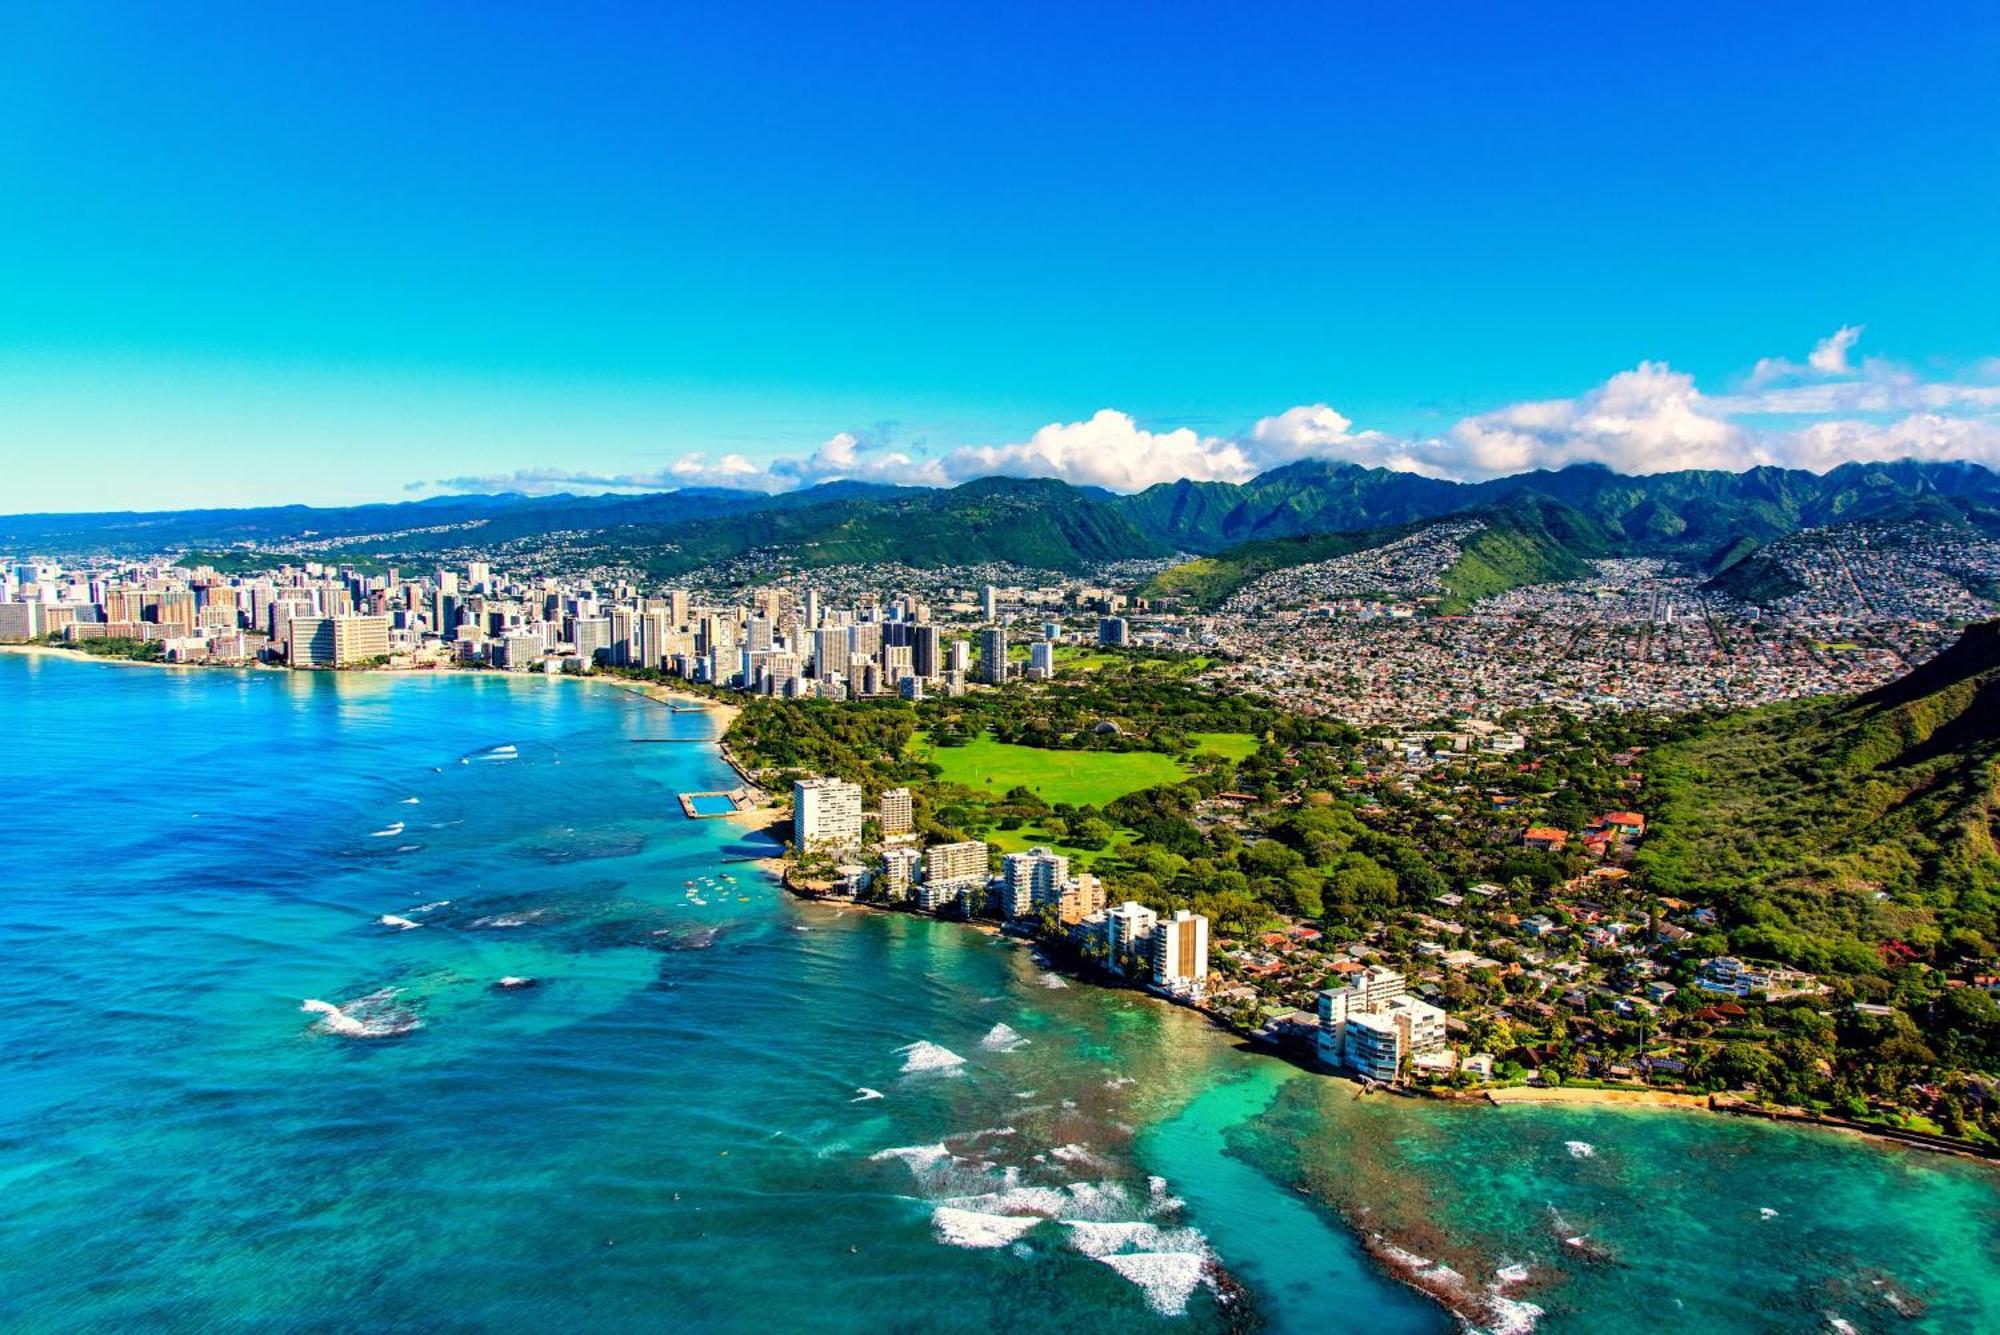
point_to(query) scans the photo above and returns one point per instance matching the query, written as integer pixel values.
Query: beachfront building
(1033, 879)
(337, 641)
(1128, 933)
(1372, 1025)
(826, 816)
(955, 862)
(898, 815)
(899, 873)
(1180, 954)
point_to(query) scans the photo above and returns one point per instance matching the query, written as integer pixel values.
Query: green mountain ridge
(1533, 541)
(1825, 828)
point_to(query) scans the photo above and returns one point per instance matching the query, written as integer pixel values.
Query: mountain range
(1715, 519)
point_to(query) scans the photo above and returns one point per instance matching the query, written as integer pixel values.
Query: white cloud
(1109, 449)
(1649, 419)
(1315, 431)
(1829, 355)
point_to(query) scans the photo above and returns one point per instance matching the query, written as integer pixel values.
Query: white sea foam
(1840, 1325)
(1169, 1278)
(1003, 1038)
(971, 1228)
(507, 919)
(401, 924)
(1767, 1212)
(1120, 1081)
(918, 1157)
(1509, 1316)
(431, 907)
(374, 1016)
(411, 801)
(924, 1055)
(389, 831)
(515, 980)
(1077, 1154)
(863, 1094)
(1051, 980)
(1580, 1149)
(1508, 1275)
(334, 1022)
(1098, 1239)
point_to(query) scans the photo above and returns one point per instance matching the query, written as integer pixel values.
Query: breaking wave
(924, 1055)
(374, 1016)
(1003, 1038)
(1580, 1149)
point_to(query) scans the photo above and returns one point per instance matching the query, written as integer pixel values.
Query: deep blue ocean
(718, 1109)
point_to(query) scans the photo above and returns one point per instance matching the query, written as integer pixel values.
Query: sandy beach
(1630, 1098)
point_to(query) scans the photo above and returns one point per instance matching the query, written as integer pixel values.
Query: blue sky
(323, 255)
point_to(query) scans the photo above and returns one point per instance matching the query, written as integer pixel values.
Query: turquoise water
(712, 804)
(715, 1108)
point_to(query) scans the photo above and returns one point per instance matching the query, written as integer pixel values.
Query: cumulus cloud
(1817, 414)
(1829, 355)
(1108, 449)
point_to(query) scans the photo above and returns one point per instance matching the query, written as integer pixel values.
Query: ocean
(259, 1071)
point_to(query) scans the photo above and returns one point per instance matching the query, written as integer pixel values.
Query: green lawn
(1234, 745)
(1031, 836)
(1080, 778)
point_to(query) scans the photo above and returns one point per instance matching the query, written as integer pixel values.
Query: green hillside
(1534, 541)
(1825, 827)
(1039, 523)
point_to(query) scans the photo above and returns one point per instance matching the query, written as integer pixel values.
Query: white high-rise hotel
(826, 816)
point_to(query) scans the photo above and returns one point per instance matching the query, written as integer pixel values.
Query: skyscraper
(993, 656)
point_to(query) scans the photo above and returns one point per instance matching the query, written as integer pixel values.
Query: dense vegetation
(1534, 542)
(1830, 828)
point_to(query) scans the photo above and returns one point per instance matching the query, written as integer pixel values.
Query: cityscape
(1195, 671)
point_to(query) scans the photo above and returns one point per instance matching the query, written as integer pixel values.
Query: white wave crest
(863, 1094)
(1051, 980)
(389, 831)
(374, 1016)
(924, 1055)
(1168, 1278)
(401, 924)
(971, 1228)
(1580, 1149)
(1003, 1038)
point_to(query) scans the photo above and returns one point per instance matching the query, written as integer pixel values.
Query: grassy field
(1077, 777)
(1234, 745)
(1080, 778)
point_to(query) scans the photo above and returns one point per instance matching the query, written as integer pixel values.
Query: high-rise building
(993, 656)
(829, 652)
(898, 815)
(899, 873)
(926, 660)
(989, 603)
(1041, 660)
(1034, 879)
(1372, 1025)
(1180, 952)
(1128, 933)
(826, 816)
(958, 657)
(1113, 631)
(338, 641)
(812, 609)
(951, 862)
